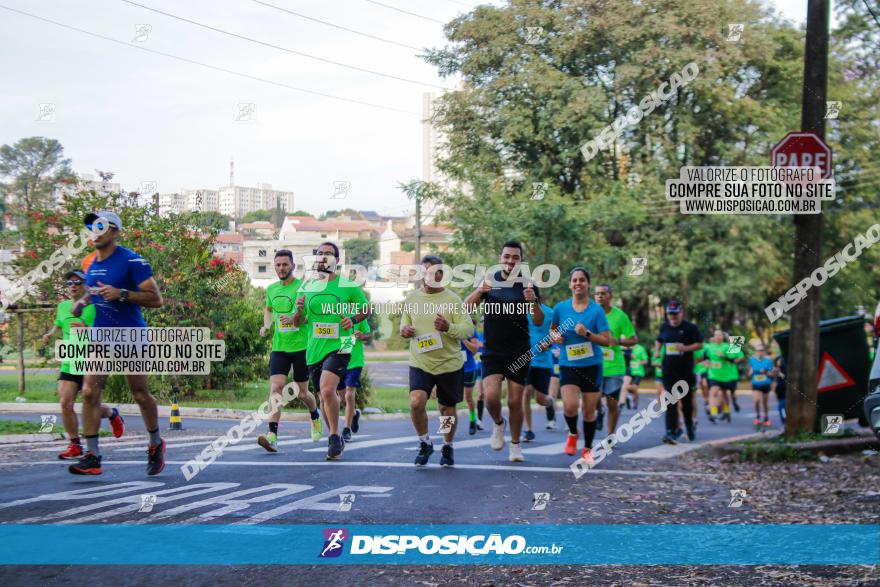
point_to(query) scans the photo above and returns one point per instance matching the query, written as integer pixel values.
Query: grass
(780, 449)
(26, 427)
(41, 388)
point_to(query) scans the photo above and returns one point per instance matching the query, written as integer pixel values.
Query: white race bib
(325, 330)
(760, 378)
(428, 342)
(607, 354)
(714, 364)
(672, 348)
(581, 350)
(283, 328)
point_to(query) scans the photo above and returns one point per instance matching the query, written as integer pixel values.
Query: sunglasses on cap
(101, 226)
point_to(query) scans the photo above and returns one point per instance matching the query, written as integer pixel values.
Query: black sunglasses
(71, 282)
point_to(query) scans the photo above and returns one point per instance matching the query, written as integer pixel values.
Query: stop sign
(803, 149)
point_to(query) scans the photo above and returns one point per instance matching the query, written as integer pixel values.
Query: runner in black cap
(679, 338)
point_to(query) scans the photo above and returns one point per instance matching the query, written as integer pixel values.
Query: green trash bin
(844, 364)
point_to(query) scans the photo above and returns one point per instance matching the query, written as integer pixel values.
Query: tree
(523, 112)
(299, 213)
(344, 212)
(257, 216)
(214, 220)
(35, 166)
(362, 251)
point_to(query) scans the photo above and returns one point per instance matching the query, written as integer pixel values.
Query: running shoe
(480, 426)
(669, 438)
(425, 450)
(587, 456)
(756, 422)
(600, 417)
(692, 432)
(515, 455)
(767, 423)
(528, 436)
(571, 445)
(725, 417)
(551, 413)
(497, 440)
(335, 445)
(74, 452)
(346, 434)
(472, 428)
(678, 433)
(551, 425)
(735, 406)
(317, 429)
(156, 458)
(446, 459)
(269, 442)
(712, 418)
(356, 422)
(88, 465)
(117, 424)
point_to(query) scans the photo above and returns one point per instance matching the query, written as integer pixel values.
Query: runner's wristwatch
(123, 295)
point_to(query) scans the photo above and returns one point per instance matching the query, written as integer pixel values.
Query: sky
(148, 117)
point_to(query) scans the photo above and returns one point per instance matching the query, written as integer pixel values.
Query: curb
(16, 438)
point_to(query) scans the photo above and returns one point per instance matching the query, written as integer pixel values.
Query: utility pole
(803, 351)
(418, 227)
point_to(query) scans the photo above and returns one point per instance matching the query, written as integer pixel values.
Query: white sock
(426, 438)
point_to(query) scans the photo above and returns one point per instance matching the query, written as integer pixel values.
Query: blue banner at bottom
(648, 544)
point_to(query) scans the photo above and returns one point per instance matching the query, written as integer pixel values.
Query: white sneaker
(497, 439)
(516, 455)
(551, 425)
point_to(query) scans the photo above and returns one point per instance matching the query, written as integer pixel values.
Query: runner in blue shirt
(761, 371)
(469, 348)
(119, 282)
(540, 371)
(581, 329)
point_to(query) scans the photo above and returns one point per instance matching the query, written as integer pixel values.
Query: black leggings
(687, 406)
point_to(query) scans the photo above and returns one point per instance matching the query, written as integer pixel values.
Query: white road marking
(407, 465)
(369, 444)
(230, 502)
(246, 443)
(129, 504)
(457, 445)
(88, 493)
(314, 502)
(554, 448)
(664, 451)
(243, 447)
(140, 442)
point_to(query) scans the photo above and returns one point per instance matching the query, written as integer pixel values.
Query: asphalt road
(297, 486)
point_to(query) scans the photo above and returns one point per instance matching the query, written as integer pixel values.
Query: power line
(209, 66)
(285, 49)
(405, 11)
(868, 6)
(336, 26)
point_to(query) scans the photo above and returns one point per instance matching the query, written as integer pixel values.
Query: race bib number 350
(325, 330)
(581, 350)
(428, 342)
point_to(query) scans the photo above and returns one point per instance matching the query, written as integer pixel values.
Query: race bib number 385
(581, 350)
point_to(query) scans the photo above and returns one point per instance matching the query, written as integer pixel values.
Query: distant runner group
(583, 349)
